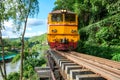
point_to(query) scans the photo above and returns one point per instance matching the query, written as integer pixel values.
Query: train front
(62, 30)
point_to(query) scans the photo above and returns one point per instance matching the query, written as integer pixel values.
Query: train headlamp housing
(73, 31)
(54, 30)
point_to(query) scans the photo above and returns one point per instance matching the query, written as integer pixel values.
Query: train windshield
(57, 18)
(70, 17)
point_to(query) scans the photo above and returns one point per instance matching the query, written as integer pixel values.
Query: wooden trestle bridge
(77, 66)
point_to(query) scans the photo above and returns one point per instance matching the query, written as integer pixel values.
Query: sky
(35, 26)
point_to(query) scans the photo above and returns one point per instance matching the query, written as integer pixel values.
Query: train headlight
(54, 30)
(63, 11)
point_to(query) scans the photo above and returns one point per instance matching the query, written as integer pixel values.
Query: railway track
(78, 66)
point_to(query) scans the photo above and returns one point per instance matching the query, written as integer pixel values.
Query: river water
(11, 67)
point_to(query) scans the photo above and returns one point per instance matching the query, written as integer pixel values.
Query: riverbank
(11, 67)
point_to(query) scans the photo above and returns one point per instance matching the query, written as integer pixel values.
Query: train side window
(70, 17)
(57, 18)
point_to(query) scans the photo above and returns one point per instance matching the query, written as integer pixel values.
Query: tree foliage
(32, 57)
(19, 11)
(4, 16)
(25, 9)
(64, 4)
(13, 76)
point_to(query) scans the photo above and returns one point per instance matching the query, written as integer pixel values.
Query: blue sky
(37, 25)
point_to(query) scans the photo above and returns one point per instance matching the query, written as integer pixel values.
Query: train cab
(62, 30)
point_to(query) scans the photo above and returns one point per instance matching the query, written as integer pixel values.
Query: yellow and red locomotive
(62, 30)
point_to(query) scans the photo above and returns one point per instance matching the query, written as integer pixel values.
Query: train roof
(61, 11)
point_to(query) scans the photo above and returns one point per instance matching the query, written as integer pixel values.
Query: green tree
(3, 17)
(13, 76)
(15, 44)
(64, 4)
(24, 9)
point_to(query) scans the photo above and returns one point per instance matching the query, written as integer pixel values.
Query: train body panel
(62, 31)
(60, 37)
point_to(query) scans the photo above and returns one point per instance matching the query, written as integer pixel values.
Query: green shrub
(30, 64)
(13, 76)
(116, 57)
(104, 52)
(16, 58)
(6, 48)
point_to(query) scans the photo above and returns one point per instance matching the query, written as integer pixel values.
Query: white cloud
(35, 22)
(31, 22)
(9, 34)
(31, 29)
(33, 34)
(8, 24)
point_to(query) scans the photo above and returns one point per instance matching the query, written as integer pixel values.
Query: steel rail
(107, 62)
(93, 66)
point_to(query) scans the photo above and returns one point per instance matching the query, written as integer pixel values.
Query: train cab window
(57, 18)
(70, 17)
